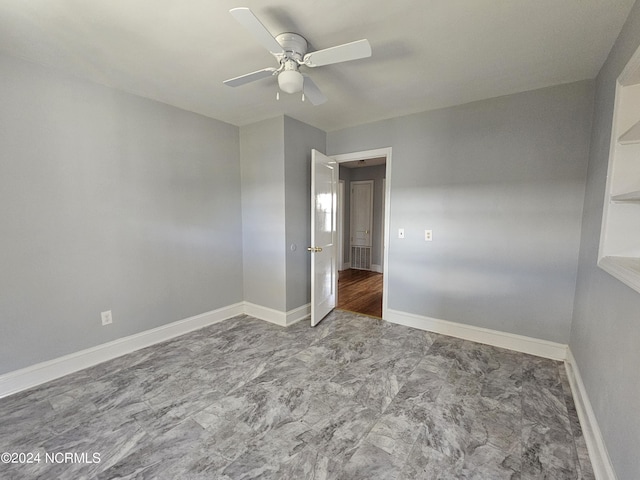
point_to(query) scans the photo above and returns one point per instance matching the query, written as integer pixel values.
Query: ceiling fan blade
(249, 21)
(249, 77)
(341, 53)
(312, 92)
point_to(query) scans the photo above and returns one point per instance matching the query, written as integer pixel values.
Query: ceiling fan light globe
(290, 81)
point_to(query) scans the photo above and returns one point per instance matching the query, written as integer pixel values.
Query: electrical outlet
(428, 235)
(106, 317)
(401, 233)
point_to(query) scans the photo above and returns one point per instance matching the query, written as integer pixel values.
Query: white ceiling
(427, 54)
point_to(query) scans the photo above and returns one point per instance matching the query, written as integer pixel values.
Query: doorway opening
(362, 231)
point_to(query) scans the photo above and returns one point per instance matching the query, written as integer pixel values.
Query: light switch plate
(401, 233)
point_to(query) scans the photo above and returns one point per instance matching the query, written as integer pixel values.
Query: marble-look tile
(449, 430)
(341, 388)
(265, 454)
(489, 462)
(228, 438)
(547, 452)
(484, 420)
(469, 357)
(388, 376)
(545, 405)
(317, 356)
(394, 433)
(396, 430)
(426, 463)
(378, 390)
(350, 349)
(308, 464)
(123, 391)
(351, 398)
(505, 382)
(419, 341)
(541, 371)
(173, 454)
(255, 406)
(339, 435)
(227, 375)
(418, 395)
(158, 420)
(26, 426)
(370, 462)
(112, 436)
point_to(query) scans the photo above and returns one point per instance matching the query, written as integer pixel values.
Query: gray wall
(108, 201)
(377, 174)
(276, 207)
(606, 324)
(299, 139)
(263, 213)
(501, 184)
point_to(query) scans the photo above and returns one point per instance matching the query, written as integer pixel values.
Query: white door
(361, 212)
(324, 285)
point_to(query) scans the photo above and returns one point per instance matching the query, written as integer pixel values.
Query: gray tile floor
(354, 398)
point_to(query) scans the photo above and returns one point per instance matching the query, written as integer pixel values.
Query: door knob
(314, 249)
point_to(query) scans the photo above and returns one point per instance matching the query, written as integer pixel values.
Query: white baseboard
(22, 379)
(374, 268)
(298, 314)
(264, 313)
(518, 343)
(598, 454)
(43, 372)
(284, 319)
(39, 373)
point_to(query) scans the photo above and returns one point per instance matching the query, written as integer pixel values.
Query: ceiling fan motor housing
(294, 45)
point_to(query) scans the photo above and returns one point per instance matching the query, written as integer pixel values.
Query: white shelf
(630, 136)
(627, 197)
(625, 269)
(619, 252)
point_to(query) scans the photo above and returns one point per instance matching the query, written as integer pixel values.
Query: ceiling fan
(290, 50)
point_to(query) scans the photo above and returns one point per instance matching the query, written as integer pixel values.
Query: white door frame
(384, 223)
(379, 152)
(340, 226)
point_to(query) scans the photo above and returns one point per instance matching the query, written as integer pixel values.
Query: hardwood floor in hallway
(360, 291)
